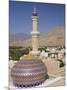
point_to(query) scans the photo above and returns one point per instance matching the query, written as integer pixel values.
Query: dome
(28, 73)
(34, 13)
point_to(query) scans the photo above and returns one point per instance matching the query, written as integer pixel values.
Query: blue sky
(50, 16)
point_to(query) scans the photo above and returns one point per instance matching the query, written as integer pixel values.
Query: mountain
(55, 37)
(15, 39)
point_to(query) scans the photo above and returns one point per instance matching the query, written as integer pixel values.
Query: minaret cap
(34, 13)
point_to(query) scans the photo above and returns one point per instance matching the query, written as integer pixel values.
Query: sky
(49, 16)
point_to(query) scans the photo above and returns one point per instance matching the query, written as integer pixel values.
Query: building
(35, 34)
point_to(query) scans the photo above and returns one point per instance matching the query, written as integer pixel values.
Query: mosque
(30, 72)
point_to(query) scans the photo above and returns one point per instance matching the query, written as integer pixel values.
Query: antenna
(34, 10)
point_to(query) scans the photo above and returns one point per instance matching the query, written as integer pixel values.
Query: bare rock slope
(55, 37)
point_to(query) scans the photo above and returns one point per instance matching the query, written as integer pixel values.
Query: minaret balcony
(35, 33)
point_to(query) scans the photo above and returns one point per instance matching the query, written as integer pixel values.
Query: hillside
(55, 37)
(16, 39)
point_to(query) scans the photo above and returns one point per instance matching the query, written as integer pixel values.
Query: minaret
(35, 33)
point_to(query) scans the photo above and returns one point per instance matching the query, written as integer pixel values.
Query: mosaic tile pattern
(28, 73)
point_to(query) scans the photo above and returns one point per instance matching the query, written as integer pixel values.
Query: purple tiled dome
(28, 73)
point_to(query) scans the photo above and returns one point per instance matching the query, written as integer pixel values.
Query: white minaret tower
(35, 33)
